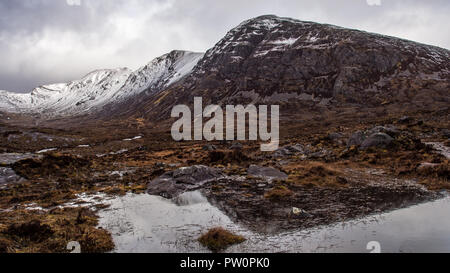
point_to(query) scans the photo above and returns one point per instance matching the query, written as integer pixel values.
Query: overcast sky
(50, 41)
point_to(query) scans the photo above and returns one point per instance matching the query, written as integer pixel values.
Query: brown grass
(278, 193)
(316, 174)
(34, 232)
(218, 239)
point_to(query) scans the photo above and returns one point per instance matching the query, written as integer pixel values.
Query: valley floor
(57, 186)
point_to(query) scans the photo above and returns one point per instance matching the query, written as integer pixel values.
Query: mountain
(270, 59)
(263, 60)
(100, 88)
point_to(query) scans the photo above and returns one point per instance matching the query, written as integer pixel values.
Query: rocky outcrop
(174, 183)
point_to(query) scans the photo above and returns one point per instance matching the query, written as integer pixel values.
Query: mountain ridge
(270, 59)
(100, 87)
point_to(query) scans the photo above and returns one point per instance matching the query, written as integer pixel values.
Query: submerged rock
(174, 183)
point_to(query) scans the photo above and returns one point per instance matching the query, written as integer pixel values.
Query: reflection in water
(143, 223)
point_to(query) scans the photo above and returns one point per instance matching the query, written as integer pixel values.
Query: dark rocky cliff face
(273, 59)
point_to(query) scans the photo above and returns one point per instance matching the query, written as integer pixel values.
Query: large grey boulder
(174, 183)
(377, 140)
(290, 150)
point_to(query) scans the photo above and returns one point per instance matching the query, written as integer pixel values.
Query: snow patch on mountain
(161, 72)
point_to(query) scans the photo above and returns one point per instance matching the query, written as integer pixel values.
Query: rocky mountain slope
(100, 88)
(281, 60)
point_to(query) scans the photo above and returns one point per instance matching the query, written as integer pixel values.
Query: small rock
(300, 212)
(174, 183)
(209, 147)
(160, 165)
(341, 180)
(404, 120)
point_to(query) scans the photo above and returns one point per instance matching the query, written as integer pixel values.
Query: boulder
(236, 146)
(377, 140)
(174, 183)
(356, 139)
(267, 173)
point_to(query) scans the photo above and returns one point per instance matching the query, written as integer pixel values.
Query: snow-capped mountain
(275, 60)
(101, 87)
(270, 54)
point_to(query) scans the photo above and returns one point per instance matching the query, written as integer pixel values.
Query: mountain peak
(102, 87)
(269, 58)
